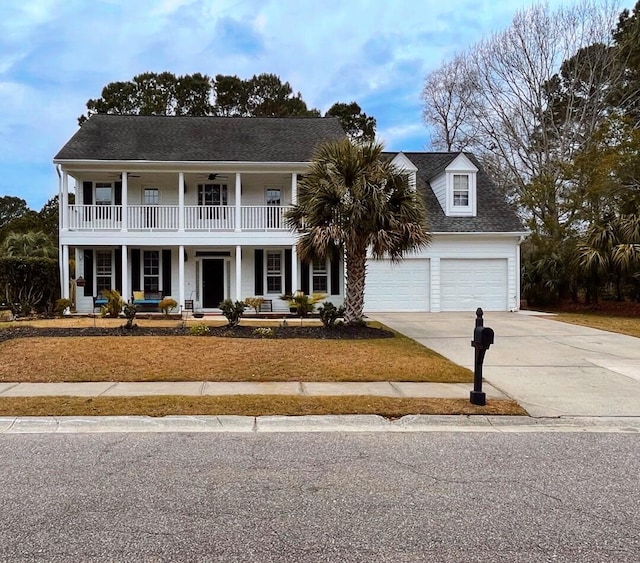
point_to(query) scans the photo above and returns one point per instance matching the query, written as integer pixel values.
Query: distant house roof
(172, 138)
(494, 213)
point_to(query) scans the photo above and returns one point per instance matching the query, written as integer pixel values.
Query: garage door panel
(466, 284)
(397, 287)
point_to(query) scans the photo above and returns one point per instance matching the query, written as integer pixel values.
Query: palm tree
(29, 244)
(354, 199)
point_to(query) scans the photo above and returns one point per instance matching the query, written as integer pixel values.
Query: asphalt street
(437, 496)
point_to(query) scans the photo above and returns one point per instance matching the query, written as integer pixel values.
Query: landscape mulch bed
(314, 332)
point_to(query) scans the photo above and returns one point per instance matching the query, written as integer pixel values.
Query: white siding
(439, 187)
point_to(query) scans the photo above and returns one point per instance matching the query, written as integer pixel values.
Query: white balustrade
(166, 217)
(95, 217)
(264, 217)
(153, 217)
(209, 218)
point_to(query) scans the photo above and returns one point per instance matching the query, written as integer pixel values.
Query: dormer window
(461, 190)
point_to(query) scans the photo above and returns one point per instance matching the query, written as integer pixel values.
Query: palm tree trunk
(356, 271)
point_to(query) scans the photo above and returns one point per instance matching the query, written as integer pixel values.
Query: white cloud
(56, 54)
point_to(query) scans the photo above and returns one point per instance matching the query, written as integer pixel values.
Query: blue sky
(56, 54)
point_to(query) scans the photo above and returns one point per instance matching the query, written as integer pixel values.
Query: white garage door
(397, 287)
(466, 285)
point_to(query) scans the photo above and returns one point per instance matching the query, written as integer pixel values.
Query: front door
(212, 283)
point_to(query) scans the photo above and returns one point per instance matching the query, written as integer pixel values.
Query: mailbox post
(482, 338)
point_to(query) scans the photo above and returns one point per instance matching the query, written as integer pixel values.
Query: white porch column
(65, 201)
(125, 210)
(126, 294)
(181, 206)
(294, 188)
(238, 201)
(238, 273)
(295, 285)
(65, 271)
(181, 276)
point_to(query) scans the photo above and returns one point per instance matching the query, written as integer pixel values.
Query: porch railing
(263, 217)
(95, 217)
(150, 217)
(209, 217)
(167, 217)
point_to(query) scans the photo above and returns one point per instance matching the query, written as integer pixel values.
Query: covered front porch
(201, 276)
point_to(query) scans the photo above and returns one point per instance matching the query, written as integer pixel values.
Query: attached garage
(397, 287)
(466, 284)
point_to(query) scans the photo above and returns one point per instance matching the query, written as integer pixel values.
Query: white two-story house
(193, 208)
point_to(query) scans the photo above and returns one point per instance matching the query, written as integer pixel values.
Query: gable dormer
(455, 188)
(403, 163)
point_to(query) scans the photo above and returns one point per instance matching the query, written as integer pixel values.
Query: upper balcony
(181, 202)
(170, 218)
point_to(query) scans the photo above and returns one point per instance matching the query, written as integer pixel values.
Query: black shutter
(304, 278)
(258, 261)
(166, 271)
(135, 269)
(117, 193)
(117, 256)
(288, 258)
(87, 194)
(88, 272)
(335, 274)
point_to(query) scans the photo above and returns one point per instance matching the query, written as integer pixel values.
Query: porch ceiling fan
(213, 176)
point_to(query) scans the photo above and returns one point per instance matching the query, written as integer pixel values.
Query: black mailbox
(483, 336)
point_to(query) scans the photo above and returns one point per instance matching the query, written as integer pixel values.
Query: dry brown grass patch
(247, 405)
(621, 325)
(191, 358)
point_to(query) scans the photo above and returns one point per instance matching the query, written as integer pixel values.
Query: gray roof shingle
(172, 138)
(494, 213)
(269, 139)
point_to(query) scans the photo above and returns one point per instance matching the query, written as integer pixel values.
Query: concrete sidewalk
(203, 388)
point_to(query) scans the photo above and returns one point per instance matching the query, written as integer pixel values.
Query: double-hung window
(320, 273)
(460, 190)
(212, 194)
(151, 271)
(274, 272)
(103, 271)
(104, 193)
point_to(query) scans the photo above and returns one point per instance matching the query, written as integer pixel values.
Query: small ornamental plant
(130, 312)
(329, 314)
(199, 330)
(264, 332)
(232, 311)
(114, 304)
(167, 305)
(255, 303)
(62, 305)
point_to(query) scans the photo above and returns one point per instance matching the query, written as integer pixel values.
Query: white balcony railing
(263, 217)
(209, 217)
(152, 217)
(167, 217)
(95, 217)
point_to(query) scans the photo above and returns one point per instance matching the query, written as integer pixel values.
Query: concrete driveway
(550, 368)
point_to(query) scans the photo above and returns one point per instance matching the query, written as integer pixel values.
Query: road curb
(331, 423)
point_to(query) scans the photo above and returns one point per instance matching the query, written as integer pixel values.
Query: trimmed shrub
(329, 314)
(232, 311)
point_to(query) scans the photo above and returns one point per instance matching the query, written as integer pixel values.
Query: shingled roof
(494, 213)
(172, 138)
